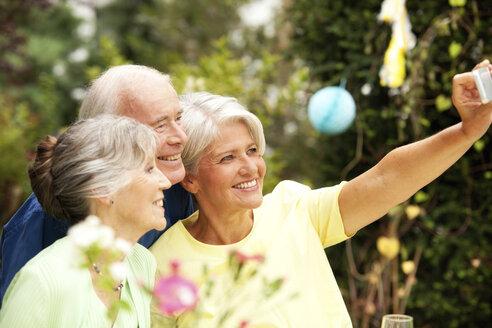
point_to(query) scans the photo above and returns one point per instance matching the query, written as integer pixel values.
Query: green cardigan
(51, 291)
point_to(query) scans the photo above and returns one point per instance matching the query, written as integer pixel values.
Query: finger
(473, 104)
(471, 93)
(463, 78)
(483, 63)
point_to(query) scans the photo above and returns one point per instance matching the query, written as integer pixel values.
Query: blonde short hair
(203, 115)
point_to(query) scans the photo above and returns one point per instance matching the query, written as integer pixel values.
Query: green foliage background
(344, 39)
(316, 43)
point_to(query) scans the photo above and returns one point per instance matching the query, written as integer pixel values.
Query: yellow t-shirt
(291, 229)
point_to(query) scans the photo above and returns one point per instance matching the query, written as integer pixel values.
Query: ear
(103, 200)
(100, 200)
(190, 183)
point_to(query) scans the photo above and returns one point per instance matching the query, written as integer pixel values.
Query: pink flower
(175, 294)
(243, 258)
(243, 324)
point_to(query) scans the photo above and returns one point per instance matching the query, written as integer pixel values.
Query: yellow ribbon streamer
(392, 72)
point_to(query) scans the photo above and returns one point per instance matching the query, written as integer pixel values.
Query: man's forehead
(151, 104)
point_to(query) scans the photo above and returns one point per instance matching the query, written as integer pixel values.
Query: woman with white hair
(292, 225)
(105, 167)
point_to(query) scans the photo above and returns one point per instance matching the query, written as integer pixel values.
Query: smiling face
(139, 204)
(230, 176)
(155, 103)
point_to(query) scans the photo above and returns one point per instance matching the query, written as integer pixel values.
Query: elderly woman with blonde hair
(292, 225)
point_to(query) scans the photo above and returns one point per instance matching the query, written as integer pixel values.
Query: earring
(111, 202)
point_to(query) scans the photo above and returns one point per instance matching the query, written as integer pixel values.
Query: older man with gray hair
(143, 94)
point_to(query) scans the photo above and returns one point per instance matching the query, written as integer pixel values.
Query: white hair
(107, 93)
(203, 116)
(92, 158)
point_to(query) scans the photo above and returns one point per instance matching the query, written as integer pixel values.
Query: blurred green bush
(343, 39)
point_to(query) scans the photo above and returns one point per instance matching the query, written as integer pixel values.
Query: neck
(221, 229)
(120, 228)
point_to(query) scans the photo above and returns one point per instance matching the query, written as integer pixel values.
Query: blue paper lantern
(331, 110)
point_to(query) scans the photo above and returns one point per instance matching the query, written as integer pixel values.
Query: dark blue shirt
(31, 230)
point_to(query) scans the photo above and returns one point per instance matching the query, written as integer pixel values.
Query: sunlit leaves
(443, 103)
(457, 3)
(454, 49)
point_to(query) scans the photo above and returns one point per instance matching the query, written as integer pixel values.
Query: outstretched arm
(406, 169)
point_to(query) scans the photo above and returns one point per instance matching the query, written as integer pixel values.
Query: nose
(248, 166)
(163, 181)
(177, 135)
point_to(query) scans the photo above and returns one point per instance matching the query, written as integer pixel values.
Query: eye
(252, 150)
(226, 158)
(160, 127)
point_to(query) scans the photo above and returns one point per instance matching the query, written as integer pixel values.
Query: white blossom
(78, 94)
(122, 245)
(59, 69)
(83, 11)
(86, 30)
(78, 55)
(259, 13)
(366, 89)
(272, 95)
(119, 270)
(90, 231)
(106, 236)
(290, 128)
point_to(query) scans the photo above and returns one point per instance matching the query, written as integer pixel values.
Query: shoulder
(31, 218)
(177, 196)
(176, 190)
(173, 234)
(291, 190)
(141, 259)
(53, 269)
(29, 231)
(291, 195)
(289, 186)
(31, 208)
(178, 203)
(175, 242)
(46, 286)
(287, 191)
(58, 257)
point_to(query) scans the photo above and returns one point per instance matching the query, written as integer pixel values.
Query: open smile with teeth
(159, 203)
(170, 158)
(245, 185)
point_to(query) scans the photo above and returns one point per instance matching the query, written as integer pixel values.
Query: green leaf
(454, 49)
(479, 145)
(443, 103)
(425, 122)
(457, 3)
(421, 196)
(271, 287)
(396, 211)
(429, 223)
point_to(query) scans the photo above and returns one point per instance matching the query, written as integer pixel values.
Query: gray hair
(107, 93)
(92, 158)
(203, 116)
